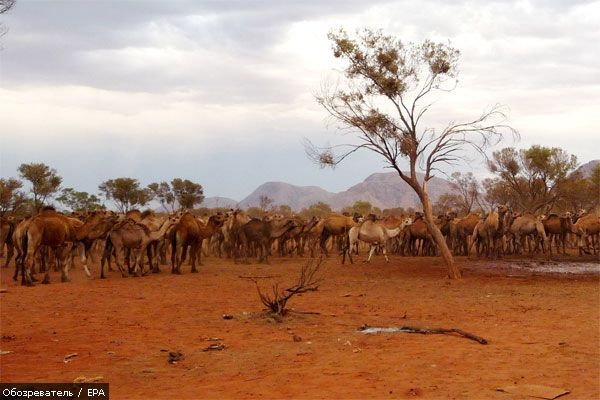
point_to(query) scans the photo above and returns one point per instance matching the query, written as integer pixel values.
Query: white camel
(373, 233)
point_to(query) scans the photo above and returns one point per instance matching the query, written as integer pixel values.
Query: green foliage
(44, 181)
(79, 201)
(187, 193)
(12, 200)
(284, 210)
(361, 207)
(531, 180)
(319, 210)
(163, 193)
(126, 193)
(256, 212)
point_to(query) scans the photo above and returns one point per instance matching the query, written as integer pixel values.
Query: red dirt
(541, 330)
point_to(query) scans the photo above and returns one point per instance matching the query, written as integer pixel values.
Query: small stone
(227, 316)
(297, 338)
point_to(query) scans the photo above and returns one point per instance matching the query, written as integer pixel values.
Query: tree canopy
(44, 181)
(125, 193)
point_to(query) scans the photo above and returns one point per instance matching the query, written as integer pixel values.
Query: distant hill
(216, 201)
(297, 197)
(587, 168)
(388, 190)
(383, 190)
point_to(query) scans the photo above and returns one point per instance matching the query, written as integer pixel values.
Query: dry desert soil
(542, 329)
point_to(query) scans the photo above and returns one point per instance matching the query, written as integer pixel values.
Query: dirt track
(542, 330)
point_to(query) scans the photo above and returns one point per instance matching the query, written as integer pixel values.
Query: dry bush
(308, 281)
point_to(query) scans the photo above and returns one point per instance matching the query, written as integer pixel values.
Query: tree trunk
(453, 270)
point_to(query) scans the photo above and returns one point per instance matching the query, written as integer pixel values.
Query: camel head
(502, 209)
(218, 219)
(406, 222)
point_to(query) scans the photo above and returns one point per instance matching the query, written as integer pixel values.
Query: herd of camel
(129, 239)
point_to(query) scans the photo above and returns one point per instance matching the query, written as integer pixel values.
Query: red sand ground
(541, 330)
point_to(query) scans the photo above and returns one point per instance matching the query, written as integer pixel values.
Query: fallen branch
(366, 329)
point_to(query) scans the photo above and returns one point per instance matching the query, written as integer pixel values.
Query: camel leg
(10, 251)
(385, 254)
(195, 251)
(371, 251)
(63, 254)
(199, 258)
(83, 258)
(180, 254)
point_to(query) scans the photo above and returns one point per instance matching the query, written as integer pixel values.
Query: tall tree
(12, 199)
(44, 181)
(383, 101)
(319, 210)
(162, 191)
(361, 207)
(125, 193)
(79, 201)
(468, 191)
(187, 193)
(534, 178)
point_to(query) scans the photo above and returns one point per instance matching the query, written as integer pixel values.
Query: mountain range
(383, 190)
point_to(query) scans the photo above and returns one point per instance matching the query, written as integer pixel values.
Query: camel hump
(147, 213)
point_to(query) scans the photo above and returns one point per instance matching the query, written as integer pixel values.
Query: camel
(133, 236)
(19, 239)
(185, 234)
(208, 229)
(55, 230)
(587, 226)
(231, 232)
(558, 227)
(418, 236)
(478, 239)
(527, 225)
(492, 231)
(337, 225)
(7, 228)
(261, 233)
(464, 229)
(313, 235)
(375, 234)
(297, 236)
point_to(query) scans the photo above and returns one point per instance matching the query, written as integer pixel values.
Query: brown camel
(261, 233)
(418, 237)
(231, 232)
(208, 229)
(185, 234)
(464, 229)
(524, 226)
(587, 226)
(557, 227)
(493, 230)
(294, 240)
(7, 228)
(337, 225)
(55, 230)
(19, 239)
(134, 237)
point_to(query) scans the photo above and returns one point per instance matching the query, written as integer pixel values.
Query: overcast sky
(222, 92)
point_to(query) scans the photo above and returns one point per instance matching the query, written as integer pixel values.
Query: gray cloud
(158, 87)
